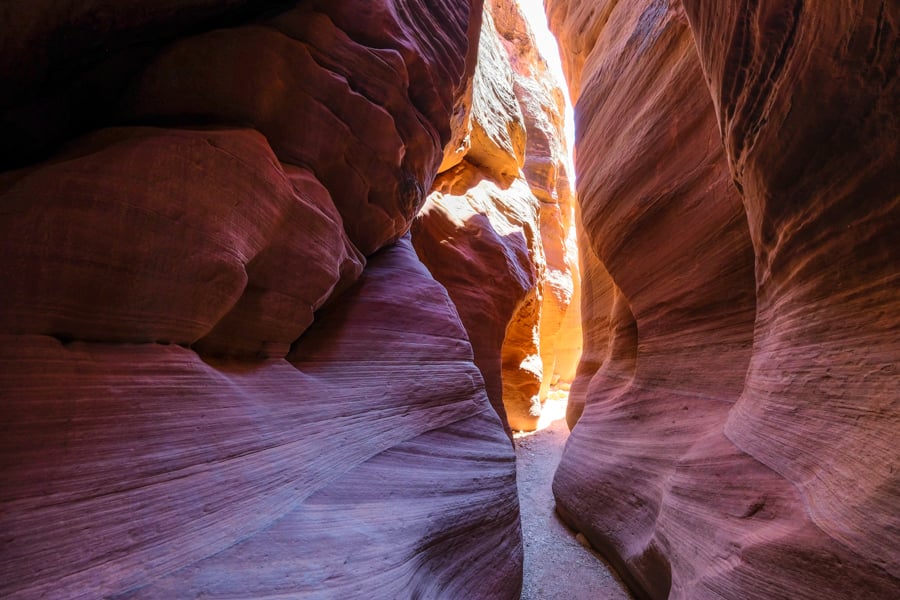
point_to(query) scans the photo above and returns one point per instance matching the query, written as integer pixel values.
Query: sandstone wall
(738, 185)
(224, 371)
(546, 171)
(807, 100)
(494, 231)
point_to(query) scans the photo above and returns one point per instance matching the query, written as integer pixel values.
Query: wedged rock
(717, 375)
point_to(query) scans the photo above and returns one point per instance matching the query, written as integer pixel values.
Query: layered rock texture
(738, 180)
(497, 229)
(224, 371)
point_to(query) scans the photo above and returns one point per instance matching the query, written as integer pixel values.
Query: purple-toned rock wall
(738, 179)
(224, 370)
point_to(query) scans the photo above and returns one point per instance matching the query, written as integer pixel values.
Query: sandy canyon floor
(557, 566)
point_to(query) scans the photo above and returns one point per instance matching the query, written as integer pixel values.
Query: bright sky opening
(549, 49)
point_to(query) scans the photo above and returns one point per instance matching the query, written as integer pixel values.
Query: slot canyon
(289, 289)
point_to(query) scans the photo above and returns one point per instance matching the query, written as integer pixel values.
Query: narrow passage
(556, 565)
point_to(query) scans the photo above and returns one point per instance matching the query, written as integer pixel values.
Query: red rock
(472, 232)
(603, 328)
(560, 331)
(502, 201)
(356, 151)
(178, 476)
(496, 141)
(138, 235)
(545, 166)
(65, 64)
(42, 37)
(811, 133)
(704, 464)
(226, 410)
(308, 260)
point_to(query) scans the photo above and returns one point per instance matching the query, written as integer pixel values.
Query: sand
(556, 564)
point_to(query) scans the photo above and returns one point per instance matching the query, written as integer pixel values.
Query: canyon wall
(495, 229)
(736, 408)
(225, 373)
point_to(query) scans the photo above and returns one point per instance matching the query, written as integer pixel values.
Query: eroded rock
(495, 229)
(716, 455)
(204, 393)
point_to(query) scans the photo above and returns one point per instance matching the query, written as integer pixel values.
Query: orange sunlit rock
(495, 230)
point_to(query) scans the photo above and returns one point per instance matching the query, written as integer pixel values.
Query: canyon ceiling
(278, 279)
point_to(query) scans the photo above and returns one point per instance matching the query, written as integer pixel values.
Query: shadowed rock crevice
(66, 64)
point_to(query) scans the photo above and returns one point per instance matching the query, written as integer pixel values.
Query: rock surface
(480, 241)
(739, 192)
(165, 269)
(224, 371)
(495, 229)
(178, 475)
(818, 162)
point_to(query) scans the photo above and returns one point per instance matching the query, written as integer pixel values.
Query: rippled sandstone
(738, 186)
(224, 370)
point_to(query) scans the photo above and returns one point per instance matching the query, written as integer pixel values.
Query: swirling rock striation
(810, 125)
(738, 197)
(224, 370)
